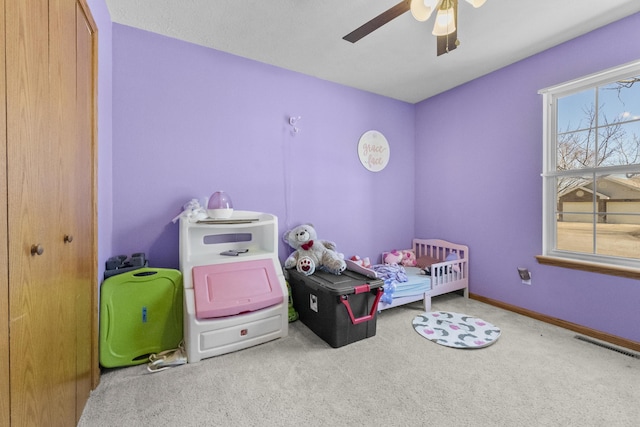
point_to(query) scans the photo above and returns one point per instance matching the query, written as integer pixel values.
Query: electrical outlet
(525, 275)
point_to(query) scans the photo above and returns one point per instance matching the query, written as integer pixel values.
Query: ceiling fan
(445, 27)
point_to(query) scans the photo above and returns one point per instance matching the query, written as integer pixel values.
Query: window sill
(610, 270)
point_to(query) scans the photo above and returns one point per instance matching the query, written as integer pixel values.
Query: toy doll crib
(235, 294)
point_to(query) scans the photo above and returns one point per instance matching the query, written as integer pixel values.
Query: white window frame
(550, 95)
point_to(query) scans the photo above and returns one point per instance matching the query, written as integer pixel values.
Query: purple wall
(487, 139)
(190, 120)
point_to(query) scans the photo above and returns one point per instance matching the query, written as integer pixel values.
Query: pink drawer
(233, 288)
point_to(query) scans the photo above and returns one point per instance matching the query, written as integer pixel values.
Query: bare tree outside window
(598, 206)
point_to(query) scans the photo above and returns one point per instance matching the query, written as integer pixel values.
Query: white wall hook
(292, 122)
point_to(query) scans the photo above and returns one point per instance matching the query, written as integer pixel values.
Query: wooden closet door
(48, 289)
(39, 390)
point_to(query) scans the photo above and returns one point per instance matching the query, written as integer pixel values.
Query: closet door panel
(4, 260)
(62, 125)
(83, 212)
(31, 332)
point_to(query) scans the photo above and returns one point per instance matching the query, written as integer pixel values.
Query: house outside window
(591, 170)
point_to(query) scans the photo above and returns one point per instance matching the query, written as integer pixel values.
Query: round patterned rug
(455, 329)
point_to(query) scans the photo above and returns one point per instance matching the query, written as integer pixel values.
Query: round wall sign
(373, 151)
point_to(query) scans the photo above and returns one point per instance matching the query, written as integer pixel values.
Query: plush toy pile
(311, 253)
(362, 262)
(406, 258)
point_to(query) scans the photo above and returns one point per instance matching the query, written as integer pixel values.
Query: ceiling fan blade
(378, 21)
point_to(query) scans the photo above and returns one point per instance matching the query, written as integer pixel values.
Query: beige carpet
(535, 375)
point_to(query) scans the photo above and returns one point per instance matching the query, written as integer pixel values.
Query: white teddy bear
(311, 253)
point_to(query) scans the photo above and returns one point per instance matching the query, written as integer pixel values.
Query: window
(591, 176)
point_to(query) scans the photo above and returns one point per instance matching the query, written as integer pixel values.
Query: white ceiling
(398, 60)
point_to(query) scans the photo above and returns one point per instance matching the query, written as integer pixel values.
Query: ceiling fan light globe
(445, 22)
(476, 3)
(422, 9)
